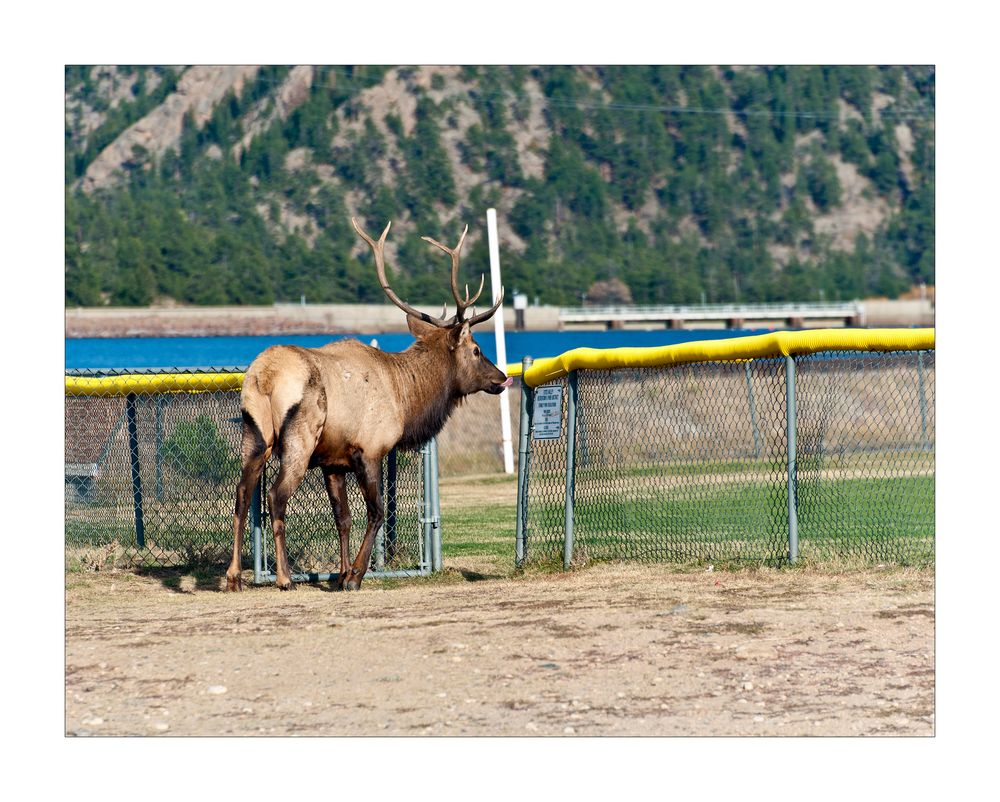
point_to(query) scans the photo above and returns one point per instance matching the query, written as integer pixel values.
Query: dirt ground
(608, 650)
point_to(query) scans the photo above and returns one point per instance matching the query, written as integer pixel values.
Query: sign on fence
(548, 413)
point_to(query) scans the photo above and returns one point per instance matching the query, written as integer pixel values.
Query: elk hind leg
(254, 455)
(290, 476)
(336, 489)
(369, 474)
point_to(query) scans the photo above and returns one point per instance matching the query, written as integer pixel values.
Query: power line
(902, 114)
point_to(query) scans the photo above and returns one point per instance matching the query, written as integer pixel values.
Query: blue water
(202, 352)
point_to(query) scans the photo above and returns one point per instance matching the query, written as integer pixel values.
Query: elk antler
(463, 304)
(380, 270)
(484, 316)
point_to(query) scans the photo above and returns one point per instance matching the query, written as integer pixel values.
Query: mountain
(236, 184)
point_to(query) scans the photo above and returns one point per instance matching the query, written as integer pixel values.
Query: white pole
(508, 448)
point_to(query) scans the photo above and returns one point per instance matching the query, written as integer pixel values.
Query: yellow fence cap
(152, 384)
(760, 346)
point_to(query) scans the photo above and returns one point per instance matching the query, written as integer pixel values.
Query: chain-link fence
(151, 474)
(700, 462)
(471, 442)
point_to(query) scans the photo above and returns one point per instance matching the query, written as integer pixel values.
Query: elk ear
(419, 328)
(459, 334)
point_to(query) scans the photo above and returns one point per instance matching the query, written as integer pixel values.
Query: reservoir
(228, 352)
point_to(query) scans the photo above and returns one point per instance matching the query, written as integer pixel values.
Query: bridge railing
(811, 445)
(805, 310)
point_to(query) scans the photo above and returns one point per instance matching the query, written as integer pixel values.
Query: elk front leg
(369, 473)
(336, 489)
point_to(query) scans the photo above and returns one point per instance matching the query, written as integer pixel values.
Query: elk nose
(508, 382)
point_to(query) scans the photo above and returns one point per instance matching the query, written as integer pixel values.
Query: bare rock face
(293, 92)
(198, 91)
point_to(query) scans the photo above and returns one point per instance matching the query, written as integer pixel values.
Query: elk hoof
(286, 585)
(353, 584)
(234, 583)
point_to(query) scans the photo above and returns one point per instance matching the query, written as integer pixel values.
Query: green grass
(888, 519)
(485, 532)
(729, 521)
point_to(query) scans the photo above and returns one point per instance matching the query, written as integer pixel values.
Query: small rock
(568, 730)
(758, 719)
(161, 726)
(216, 689)
(93, 721)
(748, 686)
(532, 726)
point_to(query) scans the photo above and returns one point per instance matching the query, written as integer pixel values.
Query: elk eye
(475, 352)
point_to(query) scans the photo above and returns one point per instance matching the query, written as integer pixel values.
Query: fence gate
(151, 467)
(407, 544)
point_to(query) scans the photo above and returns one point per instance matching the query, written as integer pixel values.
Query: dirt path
(604, 651)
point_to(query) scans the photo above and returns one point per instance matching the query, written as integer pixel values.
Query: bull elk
(344, 406)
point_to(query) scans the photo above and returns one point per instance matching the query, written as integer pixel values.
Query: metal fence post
(753, 415)
(255, 528)
(790, 425)
(571, 411)
(133, 450)
(437, 563)
(425, 509)
(523, 452)
(378, 553)
(923, 401)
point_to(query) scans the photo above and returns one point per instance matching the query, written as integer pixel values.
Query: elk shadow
(475, 576)
(200, 577)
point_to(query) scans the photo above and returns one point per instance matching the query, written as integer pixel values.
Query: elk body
(344, 406)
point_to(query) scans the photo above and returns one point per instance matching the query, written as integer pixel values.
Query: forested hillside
(235, 185)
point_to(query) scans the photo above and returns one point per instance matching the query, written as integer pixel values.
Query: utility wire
(361, 84)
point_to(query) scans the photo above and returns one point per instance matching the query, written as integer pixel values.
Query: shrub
(196, 449)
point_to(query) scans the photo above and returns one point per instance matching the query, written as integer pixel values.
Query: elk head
(472, 371)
